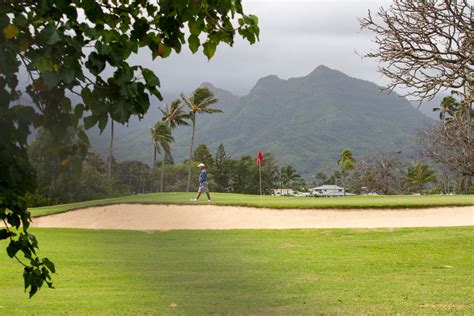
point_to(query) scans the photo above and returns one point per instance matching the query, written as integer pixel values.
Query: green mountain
(304, 121)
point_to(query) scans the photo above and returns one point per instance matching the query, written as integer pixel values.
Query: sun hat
(201, 165)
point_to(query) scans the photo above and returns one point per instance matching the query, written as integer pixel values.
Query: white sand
(168, 217)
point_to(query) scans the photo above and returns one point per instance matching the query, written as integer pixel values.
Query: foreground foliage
(343, 271)
(64, 48)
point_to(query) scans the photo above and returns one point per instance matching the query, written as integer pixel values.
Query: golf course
(252, 271)
(236, 157)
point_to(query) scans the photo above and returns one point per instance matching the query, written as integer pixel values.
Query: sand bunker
(168, 217)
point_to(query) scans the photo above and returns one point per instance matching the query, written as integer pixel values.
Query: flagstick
(260, 175)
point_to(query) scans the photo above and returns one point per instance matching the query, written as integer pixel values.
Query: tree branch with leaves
(83, 47)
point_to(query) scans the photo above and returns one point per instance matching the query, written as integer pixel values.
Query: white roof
(327, 187)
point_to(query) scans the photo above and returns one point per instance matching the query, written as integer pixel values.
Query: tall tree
(64, 48)
(199, 102)
(346, 162)
(162, 139)
(222, 174)
(174, 115)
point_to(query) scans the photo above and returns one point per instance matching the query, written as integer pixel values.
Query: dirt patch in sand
(169, 217)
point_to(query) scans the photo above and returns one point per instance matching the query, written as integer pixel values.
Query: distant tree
(418, 174)
(346, 162)
(94, 181)
(57, 180)
(176, 177)
(288, 176)
(321, 178)
(162, 139)
(93, 159)
(222, 173)
(221, 155)
(199, 102)
(381, 173)
(168, 159)
(245, 179)
(202, 154)
(134, 176)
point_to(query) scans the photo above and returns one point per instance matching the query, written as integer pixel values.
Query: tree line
(59, 183)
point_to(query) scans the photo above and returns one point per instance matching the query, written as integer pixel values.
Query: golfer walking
(203, 185)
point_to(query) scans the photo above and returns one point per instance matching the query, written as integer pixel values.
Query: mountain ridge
(305, 121)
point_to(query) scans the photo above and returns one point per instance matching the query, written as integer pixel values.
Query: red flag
(259, 157)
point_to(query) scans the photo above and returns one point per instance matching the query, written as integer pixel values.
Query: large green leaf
(194, 43)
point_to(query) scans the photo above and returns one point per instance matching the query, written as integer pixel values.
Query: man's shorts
(203, 188)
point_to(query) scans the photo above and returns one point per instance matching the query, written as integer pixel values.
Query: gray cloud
(295, 38)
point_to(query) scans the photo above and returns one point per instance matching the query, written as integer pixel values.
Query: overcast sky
(296, 36)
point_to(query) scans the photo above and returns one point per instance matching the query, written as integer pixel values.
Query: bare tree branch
(425, 46)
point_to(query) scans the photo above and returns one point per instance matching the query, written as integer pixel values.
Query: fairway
(227, 199)
(340, 271)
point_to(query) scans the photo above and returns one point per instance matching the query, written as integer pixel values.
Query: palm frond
(174, 114)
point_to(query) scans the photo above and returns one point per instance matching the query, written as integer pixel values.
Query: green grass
(388, 201)
(339, 271)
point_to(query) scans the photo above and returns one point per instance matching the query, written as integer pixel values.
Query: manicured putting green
(388, 201)
(343, 271)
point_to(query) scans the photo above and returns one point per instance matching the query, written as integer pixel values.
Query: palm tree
(449, 105)
(447, 110)
(419, 174)
(174, 114)
(162, 139)
(198, 102)
(346, 162)
(288, 175)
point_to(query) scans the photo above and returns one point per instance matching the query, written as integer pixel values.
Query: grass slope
(341, 271)
(392, 201)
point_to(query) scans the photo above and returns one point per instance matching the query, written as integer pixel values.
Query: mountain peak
(322, 70)
(266, 83)
(268, 79)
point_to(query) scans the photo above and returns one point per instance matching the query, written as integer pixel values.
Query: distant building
(289, 192)
(283, 191)
(328, 190)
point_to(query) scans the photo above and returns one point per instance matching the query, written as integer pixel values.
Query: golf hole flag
(259, 157)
